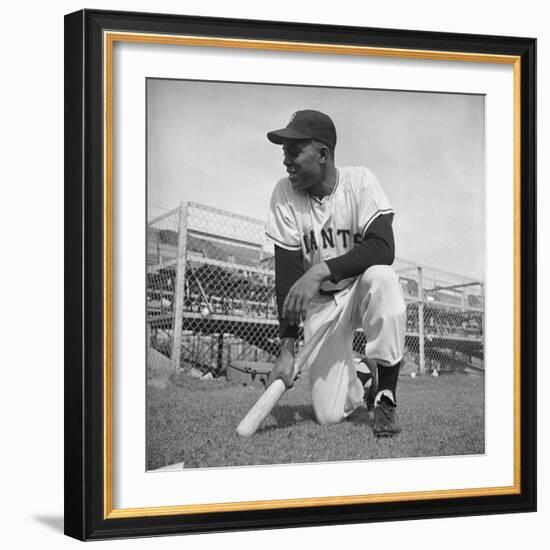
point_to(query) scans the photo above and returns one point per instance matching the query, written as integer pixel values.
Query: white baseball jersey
(329, 227)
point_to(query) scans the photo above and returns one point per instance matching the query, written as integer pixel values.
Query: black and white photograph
(315, 274)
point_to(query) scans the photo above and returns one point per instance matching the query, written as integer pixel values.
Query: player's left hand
(303, 291)
(283, 369)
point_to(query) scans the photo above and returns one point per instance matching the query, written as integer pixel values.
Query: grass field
(194, 421)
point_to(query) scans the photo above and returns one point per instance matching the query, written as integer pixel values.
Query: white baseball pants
(375, 302)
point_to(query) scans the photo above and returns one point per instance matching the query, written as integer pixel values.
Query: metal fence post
(421, 357)
(179, 291)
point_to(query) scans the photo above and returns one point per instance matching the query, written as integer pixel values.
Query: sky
(206, 142)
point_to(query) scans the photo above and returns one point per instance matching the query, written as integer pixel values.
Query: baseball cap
(306, 124)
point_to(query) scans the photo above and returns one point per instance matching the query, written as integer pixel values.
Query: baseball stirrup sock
(387, 378)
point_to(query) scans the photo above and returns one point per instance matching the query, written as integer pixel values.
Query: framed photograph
(300, 274)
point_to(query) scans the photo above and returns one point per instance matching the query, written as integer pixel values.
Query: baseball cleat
(385, 418)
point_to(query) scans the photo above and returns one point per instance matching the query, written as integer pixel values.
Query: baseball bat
(261, 409)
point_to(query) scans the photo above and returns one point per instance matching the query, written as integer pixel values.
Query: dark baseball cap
(306, 124)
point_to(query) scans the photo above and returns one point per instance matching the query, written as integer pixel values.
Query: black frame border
(84, 258)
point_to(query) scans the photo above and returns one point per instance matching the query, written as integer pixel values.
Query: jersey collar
(328, 198)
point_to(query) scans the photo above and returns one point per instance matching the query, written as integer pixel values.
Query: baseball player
(332, 231)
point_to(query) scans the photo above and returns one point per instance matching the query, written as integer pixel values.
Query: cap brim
(284, 134)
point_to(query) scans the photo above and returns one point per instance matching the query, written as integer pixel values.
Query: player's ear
(324, 153)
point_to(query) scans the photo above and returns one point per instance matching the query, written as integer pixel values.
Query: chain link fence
(211, 274)
(162, 252)
(445, 319)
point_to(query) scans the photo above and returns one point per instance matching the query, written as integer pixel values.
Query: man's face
(303, 163)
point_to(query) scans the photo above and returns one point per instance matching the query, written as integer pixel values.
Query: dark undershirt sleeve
(289, 267)
(377, 248)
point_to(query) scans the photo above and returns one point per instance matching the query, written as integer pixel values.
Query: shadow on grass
(293, 415)
(290, 415)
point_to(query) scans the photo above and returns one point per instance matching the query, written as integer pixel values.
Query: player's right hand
(303, 291)
(283, 369)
